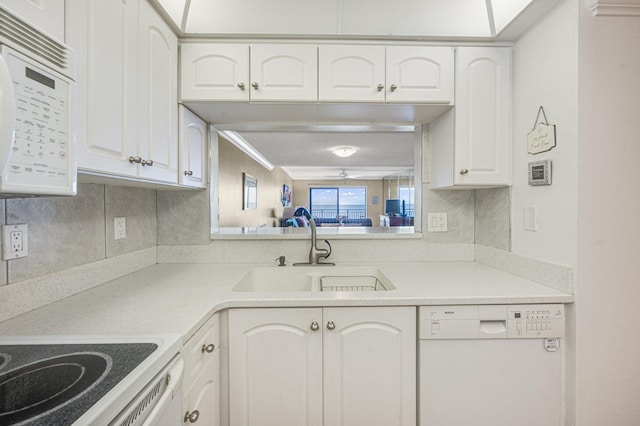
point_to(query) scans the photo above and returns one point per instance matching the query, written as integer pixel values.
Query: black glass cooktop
(55, 384)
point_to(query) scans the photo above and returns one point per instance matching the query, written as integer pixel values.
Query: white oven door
(159, 403)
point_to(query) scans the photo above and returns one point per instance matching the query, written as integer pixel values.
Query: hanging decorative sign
(543, 135)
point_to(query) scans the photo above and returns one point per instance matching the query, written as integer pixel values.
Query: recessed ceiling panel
(452, 18)
(262, 17)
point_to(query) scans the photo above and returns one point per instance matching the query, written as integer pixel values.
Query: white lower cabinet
(201, 384)
(322, 366)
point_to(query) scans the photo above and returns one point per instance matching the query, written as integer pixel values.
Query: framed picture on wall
(250, 192)
(286, 196)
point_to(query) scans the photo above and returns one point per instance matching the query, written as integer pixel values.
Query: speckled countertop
(179, 298)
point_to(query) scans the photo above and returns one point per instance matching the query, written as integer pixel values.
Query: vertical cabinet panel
(275, 367)
(193, 147)
(104, 34)
(284, 72)
(370, 366)
(214, 71)
(158, 98)
(419, 74)
(351, 73)
(483, 111)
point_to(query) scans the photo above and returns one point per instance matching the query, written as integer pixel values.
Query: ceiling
(452, 19)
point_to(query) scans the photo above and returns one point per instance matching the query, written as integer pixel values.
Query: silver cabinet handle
(464, 171)
(241, 86)
(393, 87)
(255, 85)
(147, 163)
(331, 325)
(135, 159)
(380, 87)
(208, 348)
(191, 417)
(188, 173)
(315, 326)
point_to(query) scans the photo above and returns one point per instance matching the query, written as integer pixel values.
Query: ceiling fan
(344, 174)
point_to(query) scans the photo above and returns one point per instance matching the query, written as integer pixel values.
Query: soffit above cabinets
(416, 19)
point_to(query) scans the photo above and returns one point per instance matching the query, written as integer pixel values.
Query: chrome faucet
(316, 253)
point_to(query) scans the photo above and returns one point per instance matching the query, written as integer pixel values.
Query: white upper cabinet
(104, 34)
(47, 15)
(158, 97)
(393, 74)
(351, 73)
(193, 149)
(239, 72)
(419, 74)
(470, 145)
(284, 72)
(214, 71)
(127, 90)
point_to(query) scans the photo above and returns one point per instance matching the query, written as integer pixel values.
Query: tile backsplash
(66, 232)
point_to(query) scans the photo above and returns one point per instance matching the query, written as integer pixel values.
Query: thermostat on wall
(540, 172)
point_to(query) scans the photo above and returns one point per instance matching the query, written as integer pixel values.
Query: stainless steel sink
(310, 279)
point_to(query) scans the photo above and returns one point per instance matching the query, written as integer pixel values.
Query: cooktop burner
(56, 383)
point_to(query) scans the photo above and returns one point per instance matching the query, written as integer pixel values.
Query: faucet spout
(315, 253)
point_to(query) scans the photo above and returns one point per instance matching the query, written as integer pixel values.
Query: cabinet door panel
(214, 72)
(158, 135)
(351, 73)
(193, 149)
(284, 72)
(369, 366)
(483, 108)
(204, 395)
(104, 33)
(275, 367)
(419, 74)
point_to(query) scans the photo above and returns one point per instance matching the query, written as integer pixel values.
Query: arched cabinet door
(275, 367)
(369, 358)
(351, 73)
(214, 71)
(284, 72)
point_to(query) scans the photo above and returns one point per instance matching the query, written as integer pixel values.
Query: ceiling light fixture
(242, 144)
(344, 151)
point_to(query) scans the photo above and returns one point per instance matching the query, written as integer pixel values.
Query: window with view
(347, 202)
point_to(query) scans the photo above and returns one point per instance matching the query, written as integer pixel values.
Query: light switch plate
(530, 218)
(15, 241)
(437, 222)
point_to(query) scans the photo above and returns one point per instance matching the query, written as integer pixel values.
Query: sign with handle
(543, 135)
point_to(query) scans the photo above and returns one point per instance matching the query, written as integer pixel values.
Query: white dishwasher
(491, 365)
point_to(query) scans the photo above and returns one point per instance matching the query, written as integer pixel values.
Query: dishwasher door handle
(493, 328)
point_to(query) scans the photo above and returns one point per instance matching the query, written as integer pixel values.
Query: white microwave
(37, 144)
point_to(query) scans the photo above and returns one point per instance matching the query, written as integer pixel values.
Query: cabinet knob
(147, 163)
(188, 173)
(380, 87)
(315, 326)
(464, 171)
(255, 85)
(393, 87)
(135, 159)
(241, 86)
(208, 348)
(191, 417)
(331, 325)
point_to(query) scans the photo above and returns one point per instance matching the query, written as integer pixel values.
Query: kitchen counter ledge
(179, 298)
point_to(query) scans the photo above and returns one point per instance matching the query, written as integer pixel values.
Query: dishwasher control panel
(491, 321)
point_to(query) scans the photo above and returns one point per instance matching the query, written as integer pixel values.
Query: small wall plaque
(540, 173)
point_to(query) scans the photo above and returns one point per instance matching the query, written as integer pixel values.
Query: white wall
(545, 74)
(608, 292)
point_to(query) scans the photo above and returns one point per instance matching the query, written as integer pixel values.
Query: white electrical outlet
(120, 228)
(15, 241)
(437, 222)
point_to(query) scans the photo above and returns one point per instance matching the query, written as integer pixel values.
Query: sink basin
(314, 278)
